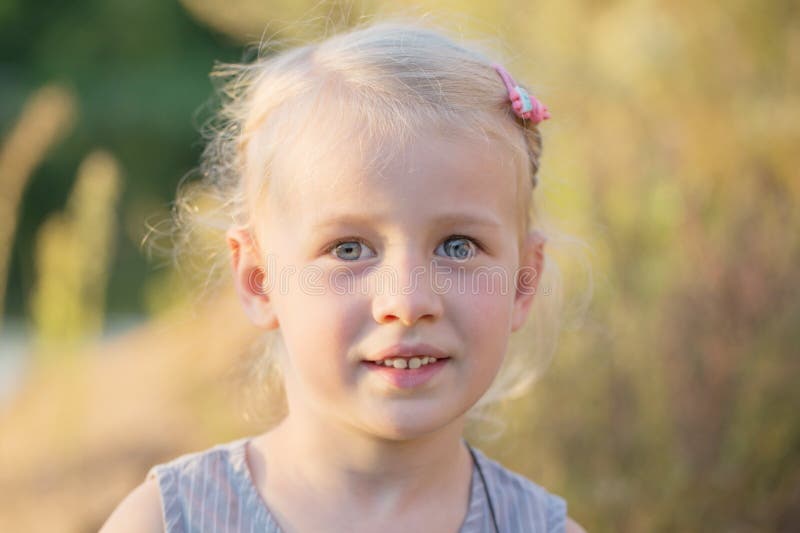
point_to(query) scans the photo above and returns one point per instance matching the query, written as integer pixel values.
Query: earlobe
(250, 278)
(527, 277)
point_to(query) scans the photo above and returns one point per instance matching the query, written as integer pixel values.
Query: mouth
(411, 363)
(402, 375)
(411, 356)
(407, 366)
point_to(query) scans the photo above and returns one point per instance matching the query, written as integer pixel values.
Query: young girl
(379, 186)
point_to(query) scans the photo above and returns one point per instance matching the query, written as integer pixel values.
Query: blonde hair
(389, 80)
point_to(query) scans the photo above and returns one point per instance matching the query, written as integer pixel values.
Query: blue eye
(351, 251)
(458, 248)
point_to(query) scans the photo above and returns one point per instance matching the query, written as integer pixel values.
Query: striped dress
(212, 491)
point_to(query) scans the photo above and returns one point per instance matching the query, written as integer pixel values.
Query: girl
(378, 187)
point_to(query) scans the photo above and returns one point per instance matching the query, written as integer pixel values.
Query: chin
(409, 424)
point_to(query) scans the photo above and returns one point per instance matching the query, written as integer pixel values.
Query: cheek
(319, 328)
(490, 308)
(487, 295)
(484, 317)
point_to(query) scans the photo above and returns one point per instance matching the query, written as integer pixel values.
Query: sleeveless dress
(213, 491)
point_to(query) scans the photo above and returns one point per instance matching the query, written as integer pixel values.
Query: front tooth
(401, 362)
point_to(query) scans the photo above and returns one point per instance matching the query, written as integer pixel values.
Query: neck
(346, 464)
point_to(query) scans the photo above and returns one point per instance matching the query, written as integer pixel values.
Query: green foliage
(140, 72)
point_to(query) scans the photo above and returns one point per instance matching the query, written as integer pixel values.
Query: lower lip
(406, 378)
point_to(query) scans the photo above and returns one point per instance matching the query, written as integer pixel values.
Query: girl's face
(420, 259)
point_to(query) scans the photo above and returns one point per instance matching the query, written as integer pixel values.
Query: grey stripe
(190, 483)
(218, 474)
(226, 523)
(473, 520)
(202, 499)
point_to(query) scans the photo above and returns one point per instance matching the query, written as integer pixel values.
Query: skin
(373, 452)
(376, 457)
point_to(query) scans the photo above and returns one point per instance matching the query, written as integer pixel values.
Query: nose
(405, 294)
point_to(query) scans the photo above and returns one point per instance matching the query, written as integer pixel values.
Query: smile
(403, 373)
(403, 362)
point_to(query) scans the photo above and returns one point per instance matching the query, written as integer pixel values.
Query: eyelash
(330, 248)
(475, 243)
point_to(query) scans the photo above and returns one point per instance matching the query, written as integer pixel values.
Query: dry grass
(84, 430)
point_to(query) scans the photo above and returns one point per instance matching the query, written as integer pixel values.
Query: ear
(250, 278)
(528, 276)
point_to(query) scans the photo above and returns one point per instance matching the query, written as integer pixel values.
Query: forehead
(429, 175)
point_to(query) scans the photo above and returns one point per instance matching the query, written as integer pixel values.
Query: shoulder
(220, 466)
(189, 487)
(513, 485)
(158, 504)
(139, 511)
(527, 501)
(573, 527)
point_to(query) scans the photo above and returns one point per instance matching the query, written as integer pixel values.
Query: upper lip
(408, 350)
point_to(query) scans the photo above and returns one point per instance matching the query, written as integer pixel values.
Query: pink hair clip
(525, 105)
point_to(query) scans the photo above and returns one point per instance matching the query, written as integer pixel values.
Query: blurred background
(671, 404)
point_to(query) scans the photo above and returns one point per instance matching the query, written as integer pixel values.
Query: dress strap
(485, 486)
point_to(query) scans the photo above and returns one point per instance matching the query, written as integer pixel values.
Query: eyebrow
(444, 219)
